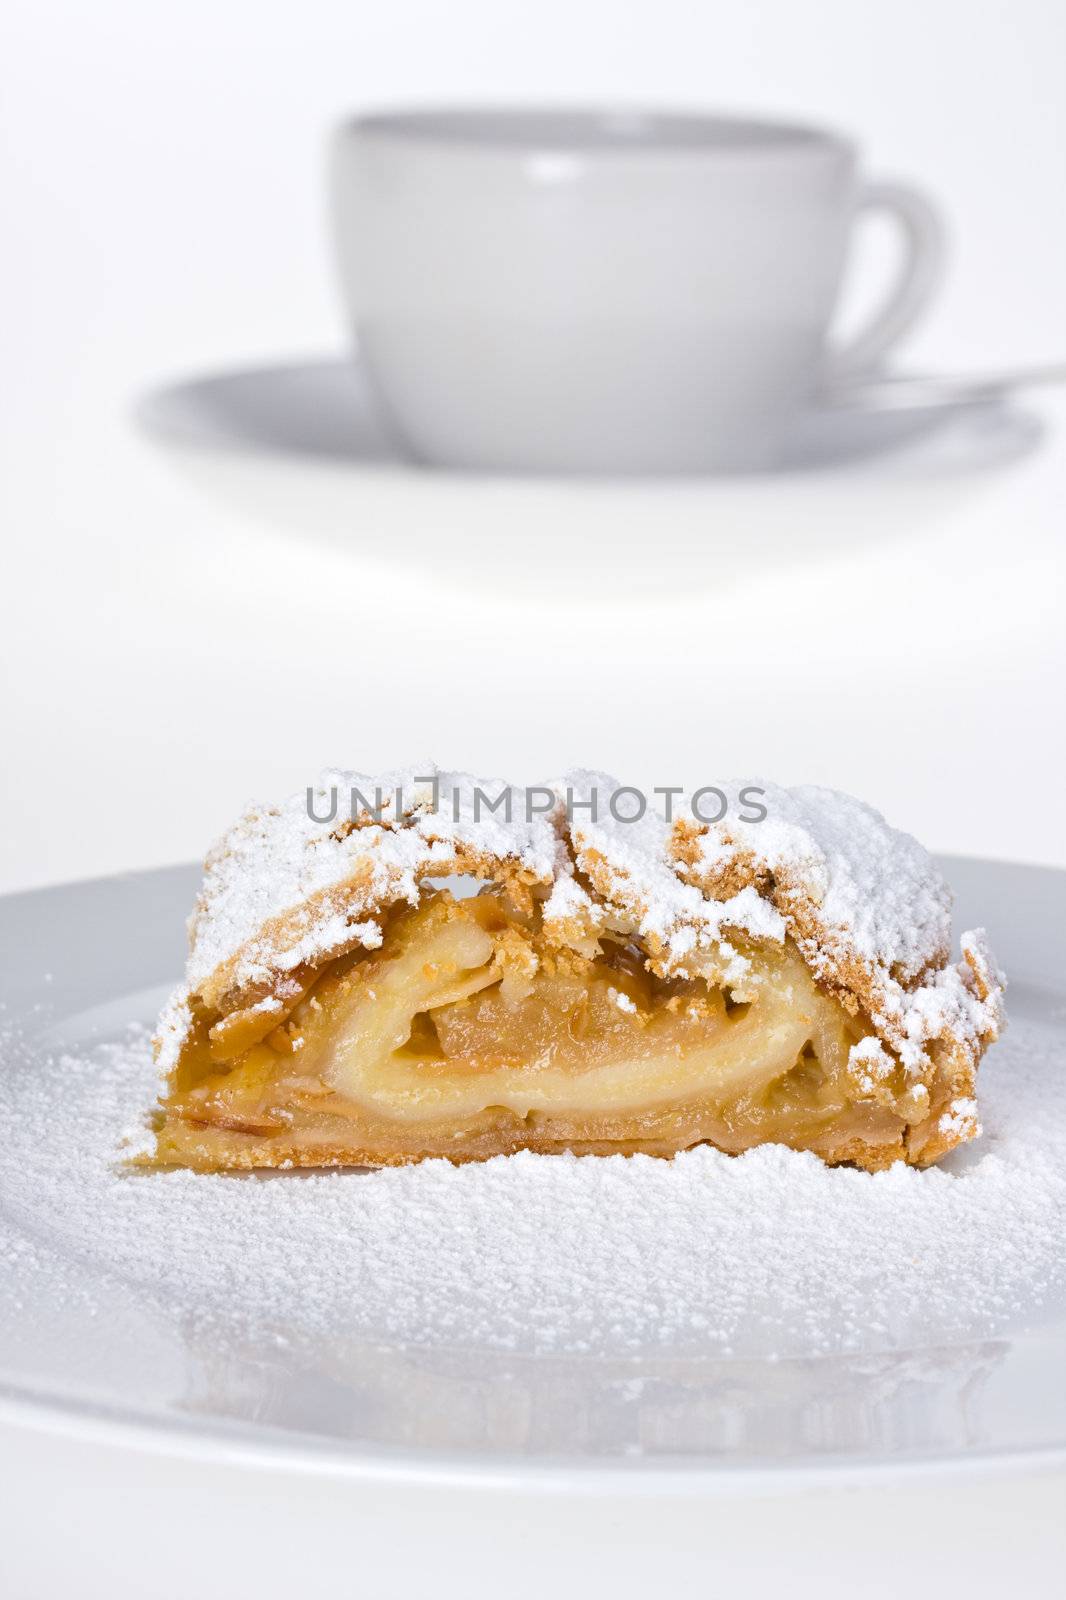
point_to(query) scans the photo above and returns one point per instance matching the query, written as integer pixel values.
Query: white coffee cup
(581, 291)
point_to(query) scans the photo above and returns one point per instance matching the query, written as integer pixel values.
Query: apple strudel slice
(424, 965)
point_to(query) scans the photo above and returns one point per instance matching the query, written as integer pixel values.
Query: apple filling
(469, 1033)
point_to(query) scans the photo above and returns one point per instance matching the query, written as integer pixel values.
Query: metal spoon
(909, 392)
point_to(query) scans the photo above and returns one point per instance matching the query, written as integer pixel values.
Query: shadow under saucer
(300, 447)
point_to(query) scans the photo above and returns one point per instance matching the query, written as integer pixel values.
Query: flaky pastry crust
(285, 895)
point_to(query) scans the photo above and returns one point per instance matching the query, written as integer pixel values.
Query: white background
(168, 653)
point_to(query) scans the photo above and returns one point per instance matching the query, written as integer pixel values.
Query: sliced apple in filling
(468, 1034)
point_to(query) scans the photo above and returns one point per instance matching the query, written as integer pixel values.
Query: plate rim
(240, 1445)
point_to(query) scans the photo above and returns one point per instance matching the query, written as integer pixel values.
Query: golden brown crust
(697, 901)
(861, 984)
(352, 902)
(216, 1149)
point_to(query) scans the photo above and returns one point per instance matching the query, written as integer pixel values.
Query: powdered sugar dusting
(276, 858)
(644, 879)
(873, 884)
(877, 885)
(868, 908)
(960, 1118)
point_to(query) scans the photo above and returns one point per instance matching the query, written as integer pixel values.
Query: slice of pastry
(446, 966)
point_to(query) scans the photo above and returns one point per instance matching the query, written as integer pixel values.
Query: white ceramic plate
(84, 1348)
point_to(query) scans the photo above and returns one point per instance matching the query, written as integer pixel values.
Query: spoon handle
(887, 393)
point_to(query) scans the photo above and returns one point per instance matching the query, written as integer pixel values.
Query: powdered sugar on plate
(765, 1255)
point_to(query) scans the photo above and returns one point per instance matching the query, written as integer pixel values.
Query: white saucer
(321, 411)
(296, 449)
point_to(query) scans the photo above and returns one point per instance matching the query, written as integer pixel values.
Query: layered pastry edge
(288, 900)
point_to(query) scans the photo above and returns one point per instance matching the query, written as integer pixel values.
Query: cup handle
(920, 275)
